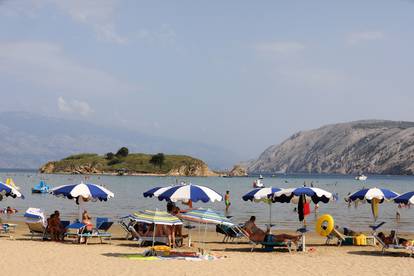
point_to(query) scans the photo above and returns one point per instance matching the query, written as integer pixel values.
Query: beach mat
(142, 257)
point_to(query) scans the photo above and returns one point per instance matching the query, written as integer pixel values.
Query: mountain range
(370, 146)
(28, 140)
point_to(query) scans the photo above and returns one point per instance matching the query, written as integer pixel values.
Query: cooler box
(360, 240)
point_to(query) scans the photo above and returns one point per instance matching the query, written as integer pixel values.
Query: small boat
(258, 183)
(361, 177)
(41, 188)
(260, 177)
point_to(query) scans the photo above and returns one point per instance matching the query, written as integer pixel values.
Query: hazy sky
(239, 74)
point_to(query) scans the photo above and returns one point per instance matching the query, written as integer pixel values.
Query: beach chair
(142, 240)
(341, 238)
(76, 230)
(37, 228)
(230, 233)
(7, 228)
(394, 245)
(268, 246)
(125, 223)
(103, 224)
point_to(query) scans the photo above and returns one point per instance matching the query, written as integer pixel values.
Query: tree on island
(157, 159)
(122, 152)
(109, 156)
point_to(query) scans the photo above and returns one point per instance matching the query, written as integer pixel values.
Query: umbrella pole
(270, 215)
(205, 234)
(189, 235)
(80, 207)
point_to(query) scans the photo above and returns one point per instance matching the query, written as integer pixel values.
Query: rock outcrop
(192, 169)
(238, 170)
(372, 146)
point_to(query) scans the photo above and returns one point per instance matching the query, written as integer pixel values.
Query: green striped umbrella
(205, 216)
(156, 217)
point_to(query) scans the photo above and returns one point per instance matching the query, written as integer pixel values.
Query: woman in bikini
(86, 219)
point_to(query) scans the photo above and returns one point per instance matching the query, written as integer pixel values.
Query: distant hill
(371, 146)
(29, 140)
(138, 163)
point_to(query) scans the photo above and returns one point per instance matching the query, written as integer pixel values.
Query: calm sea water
(128, 198)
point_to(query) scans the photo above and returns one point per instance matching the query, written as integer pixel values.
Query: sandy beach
(21, 256)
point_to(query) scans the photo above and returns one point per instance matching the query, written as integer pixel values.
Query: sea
(129, 198)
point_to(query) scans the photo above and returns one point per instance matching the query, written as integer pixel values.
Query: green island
(125, 163)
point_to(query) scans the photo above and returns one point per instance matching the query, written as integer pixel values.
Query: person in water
(258, 235)
(227, 200)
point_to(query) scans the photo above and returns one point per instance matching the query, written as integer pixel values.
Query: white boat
(258, 183)
(361, 177)
(260, 176)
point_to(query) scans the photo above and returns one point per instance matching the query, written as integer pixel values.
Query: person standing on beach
(227, 200)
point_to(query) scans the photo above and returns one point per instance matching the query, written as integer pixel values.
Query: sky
(242, 75)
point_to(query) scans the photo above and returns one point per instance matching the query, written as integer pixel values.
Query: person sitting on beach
(258, 235)
(86, 219)
(9, 210)
(392, 238)
(55, 228)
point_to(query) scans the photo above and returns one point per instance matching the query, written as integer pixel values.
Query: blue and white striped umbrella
(293, 194)
(190, 192)
(205, 216)
(87, 191)
(407, 198)
(82, 192)
(260, 194)
(9, 191)
(369, 194)
(156, 191)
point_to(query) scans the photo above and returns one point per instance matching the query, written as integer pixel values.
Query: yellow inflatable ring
(324, 225)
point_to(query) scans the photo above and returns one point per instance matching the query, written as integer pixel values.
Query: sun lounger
(125, 223)
(394, 245)
(37, 229)
(341, 238)
(142, 240)
(77, 230)
(230, 233)
(268, 245)
(103, 224)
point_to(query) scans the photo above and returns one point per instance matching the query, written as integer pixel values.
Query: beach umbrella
(82, 192)
(205, 216)
(292, 195)
(156, 191)
(9, 191)
(156, 217)
(407, 198)
(262, 195)
(300, 196)
(373, 196)
(190, 192)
